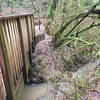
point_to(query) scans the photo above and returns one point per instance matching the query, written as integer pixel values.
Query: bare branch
(91, 26)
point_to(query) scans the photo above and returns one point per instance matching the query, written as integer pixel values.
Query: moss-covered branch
(56, 40)
(91, 26)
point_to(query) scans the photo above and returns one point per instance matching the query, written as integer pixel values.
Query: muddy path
(44, 58)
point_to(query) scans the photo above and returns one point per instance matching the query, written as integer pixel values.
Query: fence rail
(16, 39)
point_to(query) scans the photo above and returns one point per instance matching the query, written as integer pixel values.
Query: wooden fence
(16, 42)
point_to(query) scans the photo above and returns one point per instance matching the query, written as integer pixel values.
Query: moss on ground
(20, 90)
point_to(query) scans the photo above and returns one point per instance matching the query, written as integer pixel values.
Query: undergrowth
(75, 38)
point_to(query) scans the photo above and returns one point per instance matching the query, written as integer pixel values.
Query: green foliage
(81, 53)
(74, 51)
(39, 61)
(77, 97)
(97, 73)
(16, 3)
(49, 9)
(1, 1)
(84, 47)
(74, 88)
(81, 4)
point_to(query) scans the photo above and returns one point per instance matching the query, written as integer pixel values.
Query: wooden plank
(2, 87)
(5, 75)
(7, 72)
(13, 49)
(18, 46)
(23, 50)
(9, 50)
(29, 33)
(30, 28)
(25, 43)
(24, 36)
(19, 43)
(14, 16)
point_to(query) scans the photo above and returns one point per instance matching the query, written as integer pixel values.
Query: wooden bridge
(17, 41)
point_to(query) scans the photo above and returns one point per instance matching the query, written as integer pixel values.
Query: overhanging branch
(91, 26)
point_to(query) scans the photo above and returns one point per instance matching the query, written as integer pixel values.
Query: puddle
(35, 91)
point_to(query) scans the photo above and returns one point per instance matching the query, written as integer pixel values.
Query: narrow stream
(35, 91)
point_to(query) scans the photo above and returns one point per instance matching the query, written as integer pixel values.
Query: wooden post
(23, 52)
(29, 41)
